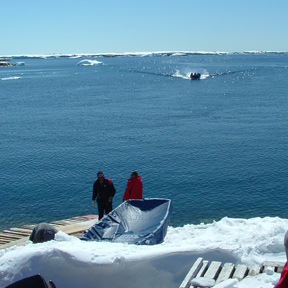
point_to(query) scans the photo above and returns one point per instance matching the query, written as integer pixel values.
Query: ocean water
(217, 147)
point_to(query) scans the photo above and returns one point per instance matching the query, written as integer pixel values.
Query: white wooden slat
(254, 270)
(203, 269)
(279, 269)
(213, 270)
(273, 263)
(192, 273)
(278, 266)
(226, 272)
(240, 272)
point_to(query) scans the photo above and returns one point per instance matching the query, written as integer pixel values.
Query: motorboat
(195, 76)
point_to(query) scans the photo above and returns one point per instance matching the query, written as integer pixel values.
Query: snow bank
(70, 262)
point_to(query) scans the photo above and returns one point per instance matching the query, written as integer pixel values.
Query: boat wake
(185, 74)
(243, 72)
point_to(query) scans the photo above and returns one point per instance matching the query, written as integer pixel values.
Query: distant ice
(11, 78)
(140, 54)
(88, 62)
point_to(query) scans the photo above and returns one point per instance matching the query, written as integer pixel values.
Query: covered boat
(142, 222)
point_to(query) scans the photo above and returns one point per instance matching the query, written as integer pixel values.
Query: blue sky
(87, 26)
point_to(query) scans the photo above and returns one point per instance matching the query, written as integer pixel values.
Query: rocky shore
(4, 62)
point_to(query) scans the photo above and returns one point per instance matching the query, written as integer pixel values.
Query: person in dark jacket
(134, 189)
(43, 232)
(103, 193)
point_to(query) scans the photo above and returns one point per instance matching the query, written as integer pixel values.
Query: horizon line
(151, 53)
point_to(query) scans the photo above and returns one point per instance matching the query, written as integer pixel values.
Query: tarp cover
(142, 222)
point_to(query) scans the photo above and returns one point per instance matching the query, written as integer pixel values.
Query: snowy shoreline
(70, 262)
(135, 54)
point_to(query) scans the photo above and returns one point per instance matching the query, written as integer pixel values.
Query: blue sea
(216, 146)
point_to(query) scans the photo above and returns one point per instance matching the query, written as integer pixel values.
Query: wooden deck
(73, 226)
(220, 272)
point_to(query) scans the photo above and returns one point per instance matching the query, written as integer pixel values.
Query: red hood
(138, 178)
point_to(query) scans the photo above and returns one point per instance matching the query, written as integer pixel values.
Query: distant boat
(195, 76)
(142, 222)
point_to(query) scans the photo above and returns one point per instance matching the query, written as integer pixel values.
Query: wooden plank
(74, 228)
(21, 230)
(278, 266)
(28, 226)
(90, 217)
(203, 269)
(73, 221)
(240, 272)
(5, 240)
(19, 242)
(78, 218)
(11, 236)
(62, 223)
(273, 264)
(254, 270)
(68, 229)
(74, 225)
(226, 272)
(16, 233)
(213, 270)
(192, 273)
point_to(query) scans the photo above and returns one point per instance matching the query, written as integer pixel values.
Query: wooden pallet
(221, 272)
(73, 226)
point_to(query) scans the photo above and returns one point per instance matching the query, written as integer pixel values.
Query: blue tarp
(142, 222)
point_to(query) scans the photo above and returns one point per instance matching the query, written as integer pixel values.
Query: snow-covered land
(133, 54)
(70, 262)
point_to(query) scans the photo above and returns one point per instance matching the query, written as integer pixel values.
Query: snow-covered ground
(70, 262)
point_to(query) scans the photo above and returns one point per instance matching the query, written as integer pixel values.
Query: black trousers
(104, 207)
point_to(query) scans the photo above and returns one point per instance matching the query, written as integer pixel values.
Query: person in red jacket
(134, 189)
(283, 282)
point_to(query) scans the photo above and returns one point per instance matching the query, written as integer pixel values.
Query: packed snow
(71, 262)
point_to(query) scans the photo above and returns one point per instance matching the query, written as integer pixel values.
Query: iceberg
(11, 78)
(88, 62)
(20, 64)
